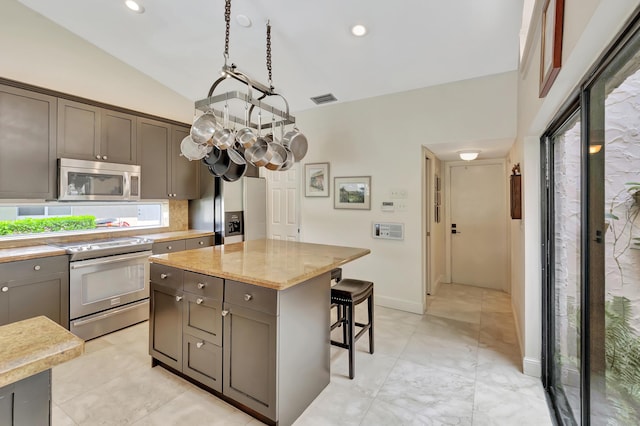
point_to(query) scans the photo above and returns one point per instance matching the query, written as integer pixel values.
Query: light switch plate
(388, 230)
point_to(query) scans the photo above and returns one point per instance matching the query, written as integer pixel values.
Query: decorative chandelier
(226, 150)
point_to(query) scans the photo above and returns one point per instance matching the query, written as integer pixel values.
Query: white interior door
(283, 209)
(478, 225)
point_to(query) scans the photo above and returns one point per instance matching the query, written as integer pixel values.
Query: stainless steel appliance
(235, 211)
(81, 180)
(108, 285)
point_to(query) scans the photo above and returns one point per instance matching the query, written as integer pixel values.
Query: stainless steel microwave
(81, 180)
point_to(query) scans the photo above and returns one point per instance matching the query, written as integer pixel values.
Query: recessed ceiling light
(358, 30)
(134, 5)
(243, 21)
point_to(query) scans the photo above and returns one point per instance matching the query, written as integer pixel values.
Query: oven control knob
(199, 301)
(201, 285)
(163, 276)
(36, 268)
(5, 289)
(199, 345)
(178, 298)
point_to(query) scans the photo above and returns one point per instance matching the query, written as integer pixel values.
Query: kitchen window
(47, 219)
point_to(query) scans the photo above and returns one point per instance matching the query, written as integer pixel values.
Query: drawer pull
(201, 243)
(199, 301)
(169, 247)
(36, 268)
(5, 289)
(201, 285)
(178, 298)
(163, 276)
(247, 297)
(104, 157)
(225, 313)
(199, 345)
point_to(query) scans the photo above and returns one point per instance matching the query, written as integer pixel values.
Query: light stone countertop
(273, 264)
(31, 252)
(177, 235)
(34, 345)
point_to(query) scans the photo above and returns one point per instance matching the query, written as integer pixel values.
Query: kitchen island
(248, 321)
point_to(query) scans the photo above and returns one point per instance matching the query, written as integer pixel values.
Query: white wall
(382, 137)
(36, 51)
(589, 26)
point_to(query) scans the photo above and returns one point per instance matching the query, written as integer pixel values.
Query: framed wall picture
(316, 180)
(352, 193)
(550, 44)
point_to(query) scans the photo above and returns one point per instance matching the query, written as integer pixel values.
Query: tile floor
(457, 365)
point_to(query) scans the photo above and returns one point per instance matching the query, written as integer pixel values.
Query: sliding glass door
(592, 246)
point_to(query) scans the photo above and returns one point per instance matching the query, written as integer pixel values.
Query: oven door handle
(110, 259)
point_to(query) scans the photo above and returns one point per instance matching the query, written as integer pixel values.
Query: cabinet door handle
(163, 276)
(98, 157)
(201, 285)
(5, 289)
(199, 345)
(225, 313)
(36, 268)
(178, 298)
(104, 157)
(199, 301)
(247, 297)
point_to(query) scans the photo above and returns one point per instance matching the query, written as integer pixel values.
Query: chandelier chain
(269, 53)
(227, 20)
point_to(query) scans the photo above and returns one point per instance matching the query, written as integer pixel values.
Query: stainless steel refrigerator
(235, 211)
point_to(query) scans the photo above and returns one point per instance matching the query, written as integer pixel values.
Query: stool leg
(352, 349)
(370, 312)
(345, 325)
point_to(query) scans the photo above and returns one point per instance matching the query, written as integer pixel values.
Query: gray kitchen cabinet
(153, 152)
(88, 132)
(180, 245)
(27, 144)
(165, 173)
(249, 363)
(186, 323)
(34, 287)
(165, 319)
(185, 174)
(194, 243)
(27, 402)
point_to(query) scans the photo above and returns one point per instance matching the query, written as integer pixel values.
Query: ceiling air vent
(324, 99)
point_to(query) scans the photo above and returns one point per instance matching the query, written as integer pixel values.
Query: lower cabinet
(186, 323)
(34, 287)
(180, 245)
(27, 402)
(249, 371)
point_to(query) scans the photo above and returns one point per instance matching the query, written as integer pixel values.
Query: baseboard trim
(531, 367)
(402, 305)
(517, 324)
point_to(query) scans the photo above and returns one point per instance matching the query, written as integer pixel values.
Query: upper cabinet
(164, 172)
(88, 132)
(27, 144)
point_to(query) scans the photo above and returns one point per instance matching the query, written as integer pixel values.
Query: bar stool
(346, 295)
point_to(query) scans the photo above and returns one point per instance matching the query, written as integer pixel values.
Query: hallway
(459, 364)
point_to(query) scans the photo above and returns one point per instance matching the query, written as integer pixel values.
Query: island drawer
(202, 360)
(194, 243)
(21, 269)
(203, 285)
(251, 296)
(166, 275)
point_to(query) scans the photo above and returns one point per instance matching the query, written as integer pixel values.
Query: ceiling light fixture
(468, 155)
(134, 5)
(359, 30)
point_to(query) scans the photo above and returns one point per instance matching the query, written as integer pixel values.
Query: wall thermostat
(388, 231)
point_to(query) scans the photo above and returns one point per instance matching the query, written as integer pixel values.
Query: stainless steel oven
(108, 285)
